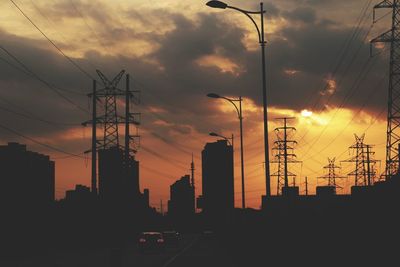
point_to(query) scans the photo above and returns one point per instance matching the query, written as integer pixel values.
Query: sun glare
(306, 113)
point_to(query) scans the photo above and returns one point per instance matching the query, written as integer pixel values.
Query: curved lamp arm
(232, 101)
(223, 137)
(251, 18)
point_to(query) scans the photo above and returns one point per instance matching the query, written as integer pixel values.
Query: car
(151, 241)
(171, 238)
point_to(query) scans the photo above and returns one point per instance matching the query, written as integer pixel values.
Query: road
(195, 250)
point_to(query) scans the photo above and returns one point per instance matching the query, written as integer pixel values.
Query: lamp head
(212, 95)
(214, 134)
(217, 4)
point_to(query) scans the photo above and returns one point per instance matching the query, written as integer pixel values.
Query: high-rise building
(218, 183)
(181, 203)
(118, 180)
(27, 178)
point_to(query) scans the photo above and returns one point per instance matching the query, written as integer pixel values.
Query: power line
(31, 75)
(174, 163)
(343, 51)
(349, 94)
(87, 25)
(157, 172)
(51, 42)
(27, 114)
(39, 143)
(346, 46)
(54, 123)
(345, 73)
(47, 84)
(372, 92)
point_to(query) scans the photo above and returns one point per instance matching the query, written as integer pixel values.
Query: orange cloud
(222, 63)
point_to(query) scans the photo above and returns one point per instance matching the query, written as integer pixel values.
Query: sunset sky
(319, 70)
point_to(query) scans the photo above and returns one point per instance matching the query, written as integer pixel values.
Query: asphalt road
(194, 250)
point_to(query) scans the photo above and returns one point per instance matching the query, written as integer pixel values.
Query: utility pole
(94, 140)
(331, 175)
(392, 36)
(93, 150)
(192, 182)
(306, 186)
(284, 155)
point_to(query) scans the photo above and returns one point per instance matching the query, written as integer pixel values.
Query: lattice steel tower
(365, 171)
(332, 175)
(393, 115)
(360, 172)
(111, 120)
(284, 155)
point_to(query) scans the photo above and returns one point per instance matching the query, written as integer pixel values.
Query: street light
(217, 4)
(261, 40)
(239, 113)
(223, 137)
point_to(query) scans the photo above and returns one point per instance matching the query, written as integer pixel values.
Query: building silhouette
(181, 203)
(146, 197)
(218, 185)
(80, 194)
(119, 180)
(27, 178)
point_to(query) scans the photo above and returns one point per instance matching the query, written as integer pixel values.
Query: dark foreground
(305, 243)
(361, 230)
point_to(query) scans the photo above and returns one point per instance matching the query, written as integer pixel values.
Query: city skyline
(176, 54)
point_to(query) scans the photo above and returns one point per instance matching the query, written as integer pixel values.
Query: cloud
(302, 14)
(179, 80)
(175, 58)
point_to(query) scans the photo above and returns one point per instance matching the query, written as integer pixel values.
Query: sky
(319, 71)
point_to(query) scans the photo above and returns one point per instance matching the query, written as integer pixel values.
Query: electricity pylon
(365, 171)
(392, 36)
(111, 120)
(331, 175)
(284, 155)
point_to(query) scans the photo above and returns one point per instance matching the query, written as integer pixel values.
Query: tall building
(27, 178)
(181, 203)
(218, 184)
(119, 181)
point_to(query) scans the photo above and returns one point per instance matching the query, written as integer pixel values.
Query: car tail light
(142, 240)
(160, 240)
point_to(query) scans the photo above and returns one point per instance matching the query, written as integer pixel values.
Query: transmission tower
(331, 175)
(365, 171)
(284, 155)
(111, 120)
(371, 165)
(392, 36)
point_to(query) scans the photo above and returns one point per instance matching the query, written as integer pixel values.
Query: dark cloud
(175, 82)
(303, 14)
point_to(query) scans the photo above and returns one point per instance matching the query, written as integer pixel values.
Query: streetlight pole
(261, 38)
(239, 113)
(265, 108)
(241, 151)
